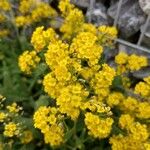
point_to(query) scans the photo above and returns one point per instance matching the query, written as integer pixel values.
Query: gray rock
(142, 73)
(129, 51)
(98, 14)
(145, 6)
(56, 22)
(131, 17)
(81, 3)
(146, 38)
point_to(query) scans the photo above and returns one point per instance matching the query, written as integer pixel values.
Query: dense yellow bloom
(28, 61)
(109, 31)
(121, 58)
(51, 86)
(37, 40)
(138, 132)
(114, 99)
(120, 142)
(27, 137)
(87, 27)
(14, 108)
(65, 7)
(106, 35)
(25, 6)
(70, 100)
(143, 110)
(85, 47)
(72, 24)
(102, 80)
(45, 119)
(147, 80)
(5, 5)
(57, 54)
(136, 62)
(2, 116)
(11, 129)
(147, 146)
(94, 105)
(143, 89)
(125, 121)
(129, 104)
(98, 127)
(22, 21)
(54, 135)
(43, 10)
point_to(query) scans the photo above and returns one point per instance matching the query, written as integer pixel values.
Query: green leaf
(42, 101)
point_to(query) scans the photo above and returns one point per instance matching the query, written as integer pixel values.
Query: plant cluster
(82, 101)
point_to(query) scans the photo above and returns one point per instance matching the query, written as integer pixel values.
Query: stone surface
(145, 6)
(81, 3)
(131, 17)
(142, 73)
(146, 38)
(98, 15)
(56, 22)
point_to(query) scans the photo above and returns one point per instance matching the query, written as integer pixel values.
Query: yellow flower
(143, 110)
(65, 7)
(121, 58)
(14, 108)
(2, 116)
(129, 104)
(72, 24)
(57, 54)
(114, 99)
(27, 137)
(98, 127)
(11, 129)
(125, 121)
(45, 120)
(136, 62)
(5, 5)
(37, 39)
(82, 45)
(143, 89)
(22, 21)
(43, 10)
(28, 61)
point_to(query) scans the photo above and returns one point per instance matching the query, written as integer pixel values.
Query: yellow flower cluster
(70, 99)
(114, 99)
(143, 88)
(11, 129)
(5, 5)
(13, 108)
(106, 35)
(45, 119)
(28, 61)
(85, 47)
(27, 137)
(96, 106)
(73, 23)
(65, 7)
(98, 127)
(80, 85)
(41, 37)
(33, 11)
(2, 117)
(132, 62)
(103, 80)
(137, 135)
